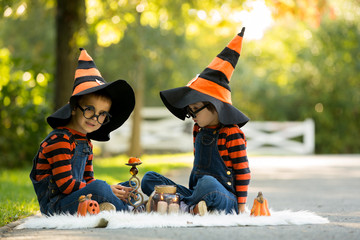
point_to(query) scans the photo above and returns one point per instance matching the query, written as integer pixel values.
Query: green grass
(17, 195)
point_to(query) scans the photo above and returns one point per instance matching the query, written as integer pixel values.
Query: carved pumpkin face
(93, 207)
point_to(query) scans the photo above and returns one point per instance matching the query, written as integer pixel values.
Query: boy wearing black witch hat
(220, 176)
(62, 169)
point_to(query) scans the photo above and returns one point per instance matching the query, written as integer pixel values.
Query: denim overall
(52, 201)
(208, 160)
(210, 179)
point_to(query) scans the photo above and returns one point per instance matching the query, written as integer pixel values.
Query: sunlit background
(300, 60)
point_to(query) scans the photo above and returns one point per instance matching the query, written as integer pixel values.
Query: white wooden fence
(280, 137)
(162, 132)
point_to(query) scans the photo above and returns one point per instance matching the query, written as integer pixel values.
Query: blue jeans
(210, 179)
(208, 188)
(101, 192)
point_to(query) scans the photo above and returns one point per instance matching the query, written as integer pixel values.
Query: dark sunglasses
(190, 113)
(89, 113)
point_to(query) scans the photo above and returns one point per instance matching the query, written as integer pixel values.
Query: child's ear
(73, 110)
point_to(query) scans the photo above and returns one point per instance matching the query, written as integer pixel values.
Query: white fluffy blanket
(113, 220)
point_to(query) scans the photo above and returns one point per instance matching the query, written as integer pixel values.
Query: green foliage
(25, 63)
(294, 72)
(22, 111)
(332, 87)
(161, 43)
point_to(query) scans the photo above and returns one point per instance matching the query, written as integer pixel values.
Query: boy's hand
(121, 192)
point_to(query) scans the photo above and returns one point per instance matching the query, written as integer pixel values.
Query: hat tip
(241, 34)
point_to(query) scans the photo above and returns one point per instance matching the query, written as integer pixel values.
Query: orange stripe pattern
(232, 148)
(210, 88)
(86, 75)
(223, 66)
(55, 159)
(215, 78)
(85, 85)
(236, 43)
(86, 72)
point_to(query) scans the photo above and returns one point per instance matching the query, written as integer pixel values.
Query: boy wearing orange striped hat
(62, 169)
(220, 176)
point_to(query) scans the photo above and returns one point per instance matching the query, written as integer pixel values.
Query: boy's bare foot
(199, 209)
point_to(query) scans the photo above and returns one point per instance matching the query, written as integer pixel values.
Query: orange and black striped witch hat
(89, 80)
(212, 85)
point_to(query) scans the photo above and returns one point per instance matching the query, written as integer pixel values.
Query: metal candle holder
(135, 198)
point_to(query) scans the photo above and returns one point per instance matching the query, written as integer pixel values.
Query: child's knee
(147, 180)
(150, 176)
(98, 183)
(207, 181)
(99, 187)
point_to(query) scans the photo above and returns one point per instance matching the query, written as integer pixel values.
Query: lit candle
(162, 207)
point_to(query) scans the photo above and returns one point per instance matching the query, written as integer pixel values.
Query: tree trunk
(70, 18)
(139, 82)
(135, 140)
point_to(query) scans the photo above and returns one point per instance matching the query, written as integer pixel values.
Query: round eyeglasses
(190, 113)
(89, 113)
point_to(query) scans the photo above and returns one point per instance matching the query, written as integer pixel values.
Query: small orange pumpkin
(260, 207)
(133, 160)
(86, 205)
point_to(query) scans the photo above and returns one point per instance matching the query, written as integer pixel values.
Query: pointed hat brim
(88, 80)
(177, 99)
(211, 85)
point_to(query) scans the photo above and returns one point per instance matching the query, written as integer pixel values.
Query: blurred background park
(300, 60)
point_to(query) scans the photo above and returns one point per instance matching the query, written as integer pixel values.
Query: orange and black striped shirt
(55, 159)
(232, 149)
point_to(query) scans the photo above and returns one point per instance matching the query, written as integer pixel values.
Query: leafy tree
(151, 37)
(332, 86)
(297, 72)
(305, 66)
(22, 111)
(25, 66)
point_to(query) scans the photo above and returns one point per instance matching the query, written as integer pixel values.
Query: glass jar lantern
(164, 200)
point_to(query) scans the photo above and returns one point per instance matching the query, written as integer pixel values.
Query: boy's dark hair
(211, 107)
(76, 99)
